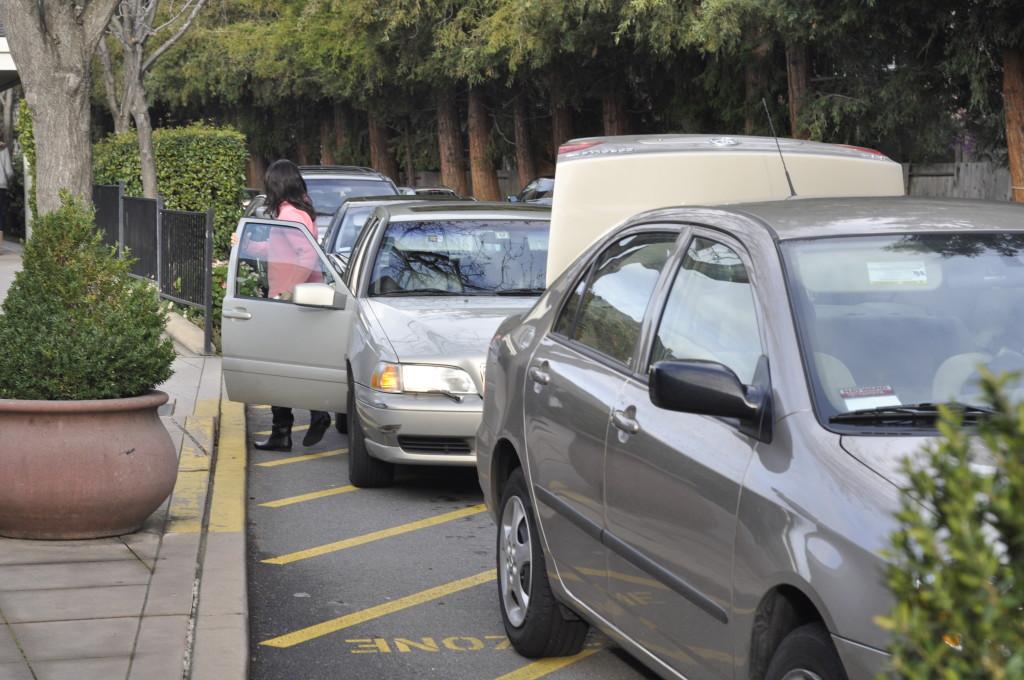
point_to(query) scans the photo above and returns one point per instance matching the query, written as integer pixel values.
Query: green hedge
(196, 167)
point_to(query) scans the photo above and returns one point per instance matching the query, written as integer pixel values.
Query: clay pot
(82, 469)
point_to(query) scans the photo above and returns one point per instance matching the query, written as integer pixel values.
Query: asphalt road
(383, 583)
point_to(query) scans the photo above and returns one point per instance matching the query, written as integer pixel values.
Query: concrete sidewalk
(166, 602)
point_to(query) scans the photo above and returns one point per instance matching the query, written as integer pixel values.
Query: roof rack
(355, 169)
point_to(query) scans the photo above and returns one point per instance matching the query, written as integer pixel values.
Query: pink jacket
(290, 258)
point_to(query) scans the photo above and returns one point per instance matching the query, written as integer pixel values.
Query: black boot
(280, 440)
(319, 421)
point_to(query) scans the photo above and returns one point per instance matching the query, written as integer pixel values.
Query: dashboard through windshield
(900, 320)
(461, 257)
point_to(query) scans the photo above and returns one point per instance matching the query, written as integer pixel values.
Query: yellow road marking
(302, 459)
(297, 428)
(538, 669)
(227, 508)
(371, 613)
(376, 535)
(281, 502)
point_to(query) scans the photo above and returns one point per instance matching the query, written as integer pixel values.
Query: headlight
(419, 378)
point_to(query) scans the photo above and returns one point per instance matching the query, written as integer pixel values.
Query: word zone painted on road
(457, 643)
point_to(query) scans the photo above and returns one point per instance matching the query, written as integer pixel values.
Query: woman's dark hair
(283, 183)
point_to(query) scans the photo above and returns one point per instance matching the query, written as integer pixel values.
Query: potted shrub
(82, 448)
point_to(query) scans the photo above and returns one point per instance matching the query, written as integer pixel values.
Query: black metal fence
(173, 248)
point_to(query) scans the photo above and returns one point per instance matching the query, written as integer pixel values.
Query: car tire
(807, 653)
(537, 625)
(341, 423)
(364, 471)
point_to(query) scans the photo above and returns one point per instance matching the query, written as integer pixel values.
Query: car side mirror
(318, 295)
(713, 389)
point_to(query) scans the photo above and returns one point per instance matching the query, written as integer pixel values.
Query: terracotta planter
(82, 469)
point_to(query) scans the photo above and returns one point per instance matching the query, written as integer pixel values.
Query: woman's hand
(234, 238)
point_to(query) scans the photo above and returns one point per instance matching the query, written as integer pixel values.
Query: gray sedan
(395, 336)
(693, 440)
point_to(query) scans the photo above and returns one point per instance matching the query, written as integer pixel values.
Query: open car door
(286, 320)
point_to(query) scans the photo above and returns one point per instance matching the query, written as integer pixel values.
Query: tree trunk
(255, 169)
(796, 77)
(118, 113)
(525, 165)
(449, 142)
(561, 121)
(1013, 111)
(9, 102)
(613, 114)
(327, 139)
(381, 157)
(53, 44)
(484, 176)
(754, 78)
(147, 159)
(342, 137)
(410, 166)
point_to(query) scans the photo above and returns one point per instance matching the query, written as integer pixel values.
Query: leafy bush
(197, 167)
(958, 560)
(248, 284)
(76, 325)
(27, 142)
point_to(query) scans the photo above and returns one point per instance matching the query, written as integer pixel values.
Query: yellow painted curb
(227, 509)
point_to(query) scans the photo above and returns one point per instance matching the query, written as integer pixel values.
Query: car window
(612, 308)
(461, 257)
(351, 226)
(356, 252)
(710, 313)
(273, 259)
(328, 193)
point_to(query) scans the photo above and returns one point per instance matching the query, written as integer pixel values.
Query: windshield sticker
(857, 398)
(899, 273)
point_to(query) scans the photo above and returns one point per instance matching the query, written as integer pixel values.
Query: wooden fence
(957, 180)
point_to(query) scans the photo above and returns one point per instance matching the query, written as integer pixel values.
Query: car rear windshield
(889, 322)
(461, 257)
(328, 193)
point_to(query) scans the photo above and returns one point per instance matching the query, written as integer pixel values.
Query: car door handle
(539, 375)
(236, 314)
(624, 422)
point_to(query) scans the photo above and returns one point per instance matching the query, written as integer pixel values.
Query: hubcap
(801, 674)
(514, 561)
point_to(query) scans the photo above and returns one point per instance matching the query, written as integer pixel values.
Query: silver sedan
(693, 440)
(395, 335)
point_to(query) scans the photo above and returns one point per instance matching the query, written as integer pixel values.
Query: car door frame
(308, 377)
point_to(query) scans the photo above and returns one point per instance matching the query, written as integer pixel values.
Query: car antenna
(771, 125)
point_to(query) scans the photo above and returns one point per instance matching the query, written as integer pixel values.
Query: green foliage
(197, 167)
(248, 285)
(76, 325)
(958, 558)
(27, 141)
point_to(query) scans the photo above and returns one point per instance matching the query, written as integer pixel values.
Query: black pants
(283, 416)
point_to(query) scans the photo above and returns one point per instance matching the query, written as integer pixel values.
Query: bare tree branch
(95, 17)
(174, 38)
(108, 79)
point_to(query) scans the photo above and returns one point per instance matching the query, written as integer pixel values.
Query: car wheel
(341, 423)
(364, 470)
(806, 654)
(534, 620)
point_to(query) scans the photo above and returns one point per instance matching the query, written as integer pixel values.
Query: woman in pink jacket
(290, 260)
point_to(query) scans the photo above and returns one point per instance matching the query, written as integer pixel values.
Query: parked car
(395, 336)
(693, 440)
(329, 186)
(602, 181)
(348, 220)
(539, 190)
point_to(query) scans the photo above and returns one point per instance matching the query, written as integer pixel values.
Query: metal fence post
(208, 284)
(159, 244)
(120, 219)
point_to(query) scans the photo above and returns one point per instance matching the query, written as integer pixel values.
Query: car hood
(446, 330)
(885, 455)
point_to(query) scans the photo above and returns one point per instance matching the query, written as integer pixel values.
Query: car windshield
(351, 224)
(462, 257)
(893, 322)
(328, 193)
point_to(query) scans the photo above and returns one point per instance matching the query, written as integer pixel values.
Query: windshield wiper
(519, 291)
(924, 411)
(416, 291)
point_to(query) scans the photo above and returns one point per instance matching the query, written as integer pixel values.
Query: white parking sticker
(857, 398)
(904, 272)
